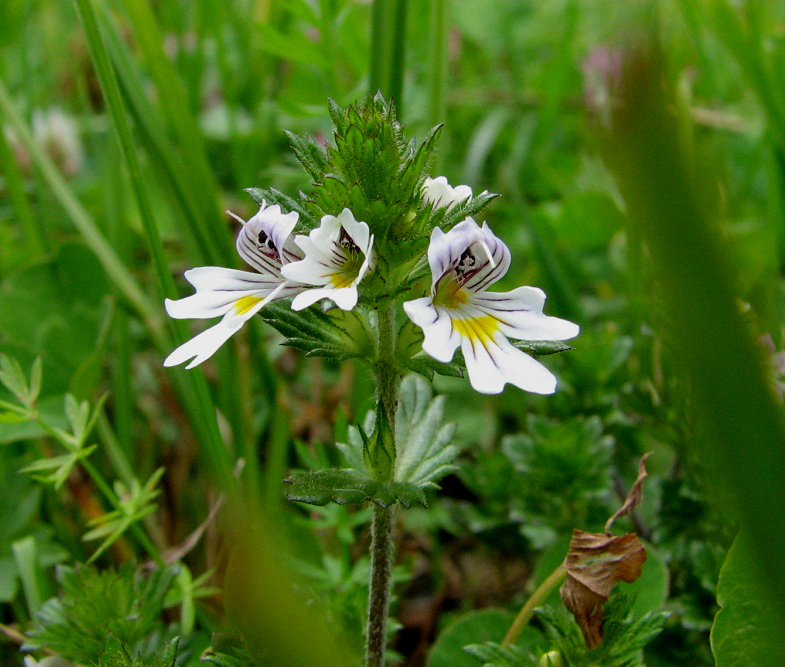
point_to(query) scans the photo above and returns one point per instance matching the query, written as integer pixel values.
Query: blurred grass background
(129, 126)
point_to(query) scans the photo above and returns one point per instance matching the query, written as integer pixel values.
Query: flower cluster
(380, 222)
(332, 260)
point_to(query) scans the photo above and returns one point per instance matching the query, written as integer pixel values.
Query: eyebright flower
(440, 193)
(464, 263)
(264, 243)
(338, 254)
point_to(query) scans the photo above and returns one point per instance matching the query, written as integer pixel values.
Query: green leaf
(344, 486)
(474, 628)
(541, 348)
(745, 629)
(427, 366)
(425, 450)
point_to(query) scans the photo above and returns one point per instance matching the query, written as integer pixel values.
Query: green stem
(538, 597)
(379, 594)
(382, 457)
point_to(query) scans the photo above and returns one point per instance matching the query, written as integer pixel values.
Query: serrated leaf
(425, 450)
(541, 348)
(343, 486)
(309, 154)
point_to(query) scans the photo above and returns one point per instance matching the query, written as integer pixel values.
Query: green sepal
(342, 486)
(336, 335)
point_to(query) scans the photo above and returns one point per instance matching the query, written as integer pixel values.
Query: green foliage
(487, 625)
(492, 654)
(228, 650)
(118, 655)
(624, 636)
(112, 612)
(135, 503)
(550, 479)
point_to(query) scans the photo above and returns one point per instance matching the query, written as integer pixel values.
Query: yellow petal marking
(242, 306)
(477, 329)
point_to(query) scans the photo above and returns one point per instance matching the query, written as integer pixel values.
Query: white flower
(264, 243)
(464, 263)
(440, 193)
(337, 256)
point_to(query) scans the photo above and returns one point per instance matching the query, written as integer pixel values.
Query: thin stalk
(378, 74)
(379, 594)
(538, 597)
(219, 458)
(14, 183)
(398, 54)
(437, 107)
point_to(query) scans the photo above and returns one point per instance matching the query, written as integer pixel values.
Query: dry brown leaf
(594, 563)
(634, 497)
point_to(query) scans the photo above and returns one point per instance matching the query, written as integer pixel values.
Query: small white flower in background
(464, 263)
(338, 254)
(265, 243)
(440, 193)
(57, 132)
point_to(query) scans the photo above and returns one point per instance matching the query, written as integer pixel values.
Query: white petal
(440, 193)
(328, 231)
(358, 231)
(219, 278)
(493, 363)
(204, 345)
(520, 315)
(345, 297)
(441, 339)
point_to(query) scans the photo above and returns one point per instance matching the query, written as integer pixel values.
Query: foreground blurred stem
(382, 461)
(537, 598)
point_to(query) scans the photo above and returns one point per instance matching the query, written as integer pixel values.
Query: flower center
(448, 291)
(265, 245)
(348, 271)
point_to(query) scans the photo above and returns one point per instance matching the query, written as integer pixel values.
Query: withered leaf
(594, 563)
(634, 497)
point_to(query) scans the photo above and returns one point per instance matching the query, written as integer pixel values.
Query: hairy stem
(383, 464)
(538, 597)
(379, 594)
